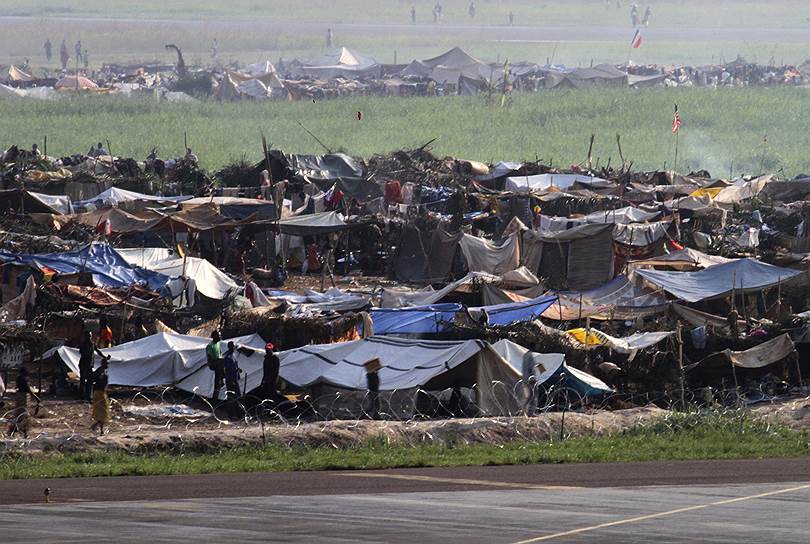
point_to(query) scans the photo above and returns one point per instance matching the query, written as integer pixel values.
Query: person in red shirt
(105, 335)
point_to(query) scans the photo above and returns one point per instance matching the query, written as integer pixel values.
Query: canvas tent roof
(115, 195)
(71, 83)
(12, 74)
(741, 275)
(166, 359)
(540, 182)
(109, 269)
(549, 367)
(210, 280)
(340, 62)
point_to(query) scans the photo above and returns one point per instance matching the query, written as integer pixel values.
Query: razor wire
(521, 411)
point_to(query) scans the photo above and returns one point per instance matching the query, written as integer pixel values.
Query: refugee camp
(393, 259)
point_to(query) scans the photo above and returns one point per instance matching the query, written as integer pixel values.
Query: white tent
(210, 280)
(407, 365)
(540, 182)
(167, 359)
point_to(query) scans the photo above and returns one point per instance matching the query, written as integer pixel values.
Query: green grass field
(680, 437)
(720, 126)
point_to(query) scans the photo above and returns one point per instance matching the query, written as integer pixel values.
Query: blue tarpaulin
(417, 320)
(504, 314)
(108, 268)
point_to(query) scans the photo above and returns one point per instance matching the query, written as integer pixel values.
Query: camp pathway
(689, 501)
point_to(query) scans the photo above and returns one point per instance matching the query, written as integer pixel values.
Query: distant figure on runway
(63, 55)
(214, 49)
(413, 15)
(78, 50)
(511, 18)
(634, 15)
(471, 10)
(48, 50)
(647, 13)
(329, 38)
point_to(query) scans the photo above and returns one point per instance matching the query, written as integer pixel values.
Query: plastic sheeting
(540, 182)
(627, 344)
(618, 299)
(764, 354)
(686, 258)
(108, 268)
(434, 318)
(167, 359)
(740, 275)
(210, 280)
(485, 256)
(115, 196)
(504, 314)
(549, 367)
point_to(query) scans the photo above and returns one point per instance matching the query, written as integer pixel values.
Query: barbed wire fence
(343, 418)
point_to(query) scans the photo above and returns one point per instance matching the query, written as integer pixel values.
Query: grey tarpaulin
(747, 275)
(762, 355)
(485, 256)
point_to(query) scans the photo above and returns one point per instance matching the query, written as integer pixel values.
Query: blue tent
(416, 320)
(504, 314)
(108, 268)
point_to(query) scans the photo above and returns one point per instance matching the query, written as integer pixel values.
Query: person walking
(64, 57)
(270, 371)
(86, 352)
(101, 400)
(232, 372)
(48, 46)
(213, 355)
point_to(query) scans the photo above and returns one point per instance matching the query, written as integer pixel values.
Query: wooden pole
(680, 368)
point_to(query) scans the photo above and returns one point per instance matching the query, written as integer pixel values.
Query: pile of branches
(418, 166)
(291, 332)
(238, 174)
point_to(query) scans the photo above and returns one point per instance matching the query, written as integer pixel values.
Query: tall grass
(697, 435)
(720, 127)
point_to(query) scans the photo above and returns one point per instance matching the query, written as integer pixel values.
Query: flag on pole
(636, 43)
(676, 122)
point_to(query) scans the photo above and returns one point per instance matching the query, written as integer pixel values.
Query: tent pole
(680, 367)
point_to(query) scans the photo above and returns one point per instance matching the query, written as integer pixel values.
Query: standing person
(232, 372)
(86, 60)
(78, 50)
(191, 159)
(329, 38)
(270, 371)
(511, 18)
(86, 352)
(413, 15)
(471, 10)
(20, 417)
(634, 15)
(101, 401)
(214, 48)
(647, 14)
(48, 46)
(373, 383)
(63, 55)
(213, 355)
(105, 335)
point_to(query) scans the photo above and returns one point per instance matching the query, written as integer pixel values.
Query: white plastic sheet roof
(525, 184)
(167, 359)
(406, 363)
(741, 275)
(210, 280)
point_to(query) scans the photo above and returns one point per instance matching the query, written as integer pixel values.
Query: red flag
(676, 122)
(636, 39)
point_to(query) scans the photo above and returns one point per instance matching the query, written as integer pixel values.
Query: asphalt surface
(689, 501)
(495, 33)
(129, 488)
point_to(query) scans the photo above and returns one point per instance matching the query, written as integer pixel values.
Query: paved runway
(556, 503)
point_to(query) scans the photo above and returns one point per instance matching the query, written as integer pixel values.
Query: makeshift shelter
(684, 259)
(449, 67)
(408, 365)
(209, 280)
(170, 359)
(542, 182)
(618, 299)
(115, 196)
(740, 275)
(107, 267)
(340, 62)
(75, 83)
(13, 75)
(415, 320)
(549, 369)
(601, 75)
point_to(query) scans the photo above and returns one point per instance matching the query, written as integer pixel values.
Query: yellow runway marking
(663, 514)
(457, 481)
